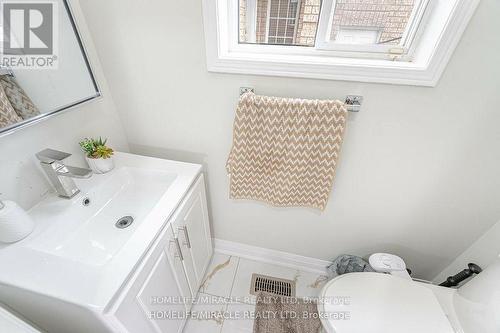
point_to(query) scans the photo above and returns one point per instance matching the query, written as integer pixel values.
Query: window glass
(371, 22)
(285, 22)
(295, 22)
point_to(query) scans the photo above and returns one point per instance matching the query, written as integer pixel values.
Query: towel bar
(352, 102)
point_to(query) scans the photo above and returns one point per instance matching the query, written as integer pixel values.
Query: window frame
(403, 51)
(224, 54)
(375, 30)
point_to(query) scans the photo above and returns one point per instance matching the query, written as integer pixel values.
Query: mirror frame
(44, 116)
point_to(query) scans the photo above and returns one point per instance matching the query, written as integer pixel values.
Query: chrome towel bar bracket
(352, 102)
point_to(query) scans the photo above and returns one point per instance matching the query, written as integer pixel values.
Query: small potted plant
(98, 155)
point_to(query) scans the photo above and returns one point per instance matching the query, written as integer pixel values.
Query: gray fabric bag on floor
(347, 263)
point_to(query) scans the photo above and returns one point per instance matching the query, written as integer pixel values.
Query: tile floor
(226, 292)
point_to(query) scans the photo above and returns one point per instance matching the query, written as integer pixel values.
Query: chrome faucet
(60, 175)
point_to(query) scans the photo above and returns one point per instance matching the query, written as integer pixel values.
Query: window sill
(442, 37)
(328, 68)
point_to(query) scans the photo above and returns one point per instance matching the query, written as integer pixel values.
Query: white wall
(483, 252)
(419, 170)
(21, 178)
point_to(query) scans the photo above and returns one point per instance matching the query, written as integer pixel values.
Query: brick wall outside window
(243, 21)
(389, 17)
(308, 22)
(261, 26)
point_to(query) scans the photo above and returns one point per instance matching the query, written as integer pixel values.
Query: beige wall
(419, 169)
(21, 178)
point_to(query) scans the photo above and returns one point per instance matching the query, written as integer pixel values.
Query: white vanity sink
(85, 229)
(78, 256)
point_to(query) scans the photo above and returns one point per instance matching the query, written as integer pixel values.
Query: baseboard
(291, 260)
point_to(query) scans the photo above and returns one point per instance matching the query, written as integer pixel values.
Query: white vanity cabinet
(101, 276)
(192, 228)
(170, 273)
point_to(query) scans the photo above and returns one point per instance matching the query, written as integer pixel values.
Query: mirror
(44, 69)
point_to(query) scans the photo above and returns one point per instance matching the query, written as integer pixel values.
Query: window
(375, 26)
(282, 21)
(276, 22)
(394, 41)
(378, 28)
(279, 22)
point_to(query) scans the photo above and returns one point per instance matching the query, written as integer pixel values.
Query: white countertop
(93, 286)
(11, 324)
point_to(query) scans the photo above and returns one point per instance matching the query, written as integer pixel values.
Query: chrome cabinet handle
(184, 229)
(178, 253)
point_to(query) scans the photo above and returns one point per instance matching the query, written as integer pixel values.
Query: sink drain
(124, 222)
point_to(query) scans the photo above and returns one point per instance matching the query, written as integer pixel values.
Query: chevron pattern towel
(285, 151)
(8, 115)
(18, 98)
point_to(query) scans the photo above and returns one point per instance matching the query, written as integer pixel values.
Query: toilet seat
(374, 302)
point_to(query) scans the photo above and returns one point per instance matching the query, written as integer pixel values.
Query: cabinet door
(157, 293)
(176, 259)
(193, 231)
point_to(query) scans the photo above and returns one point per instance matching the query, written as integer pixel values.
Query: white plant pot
(100, 165)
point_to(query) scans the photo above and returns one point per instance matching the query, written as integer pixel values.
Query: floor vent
(272, 285)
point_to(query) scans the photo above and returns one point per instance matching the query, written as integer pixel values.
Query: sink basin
(76, 253)
(86, 231)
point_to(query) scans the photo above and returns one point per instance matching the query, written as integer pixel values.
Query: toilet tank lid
(375, 302)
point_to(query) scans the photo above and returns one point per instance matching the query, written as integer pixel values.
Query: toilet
(392, 303)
